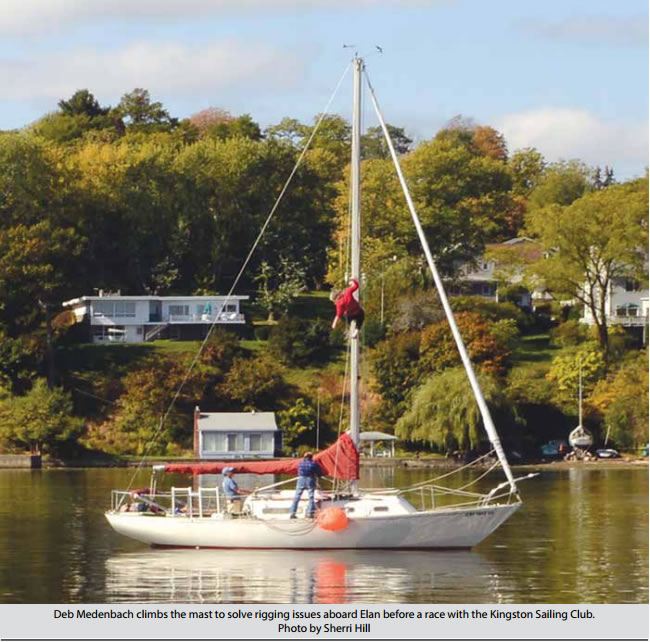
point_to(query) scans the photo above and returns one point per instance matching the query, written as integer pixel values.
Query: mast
(355, 246)
(580, 394)
(478, 393)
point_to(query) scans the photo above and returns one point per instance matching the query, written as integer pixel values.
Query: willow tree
(444, 412)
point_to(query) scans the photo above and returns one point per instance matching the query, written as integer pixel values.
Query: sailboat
(348, 517)
(580, 438)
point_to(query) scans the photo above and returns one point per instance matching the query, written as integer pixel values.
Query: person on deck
(308, 473)
(348, 307)
(232, 491)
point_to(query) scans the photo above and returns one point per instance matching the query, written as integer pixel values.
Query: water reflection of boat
(281, 577)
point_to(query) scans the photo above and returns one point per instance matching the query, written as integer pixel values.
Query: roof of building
(373, 435)
(145, 297)
(236, 421)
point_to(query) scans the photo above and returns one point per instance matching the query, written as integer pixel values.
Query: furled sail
(340, 460)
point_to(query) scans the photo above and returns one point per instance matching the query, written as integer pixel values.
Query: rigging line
(82, 392)
(241, 271)
(474, 481)
(448, 474)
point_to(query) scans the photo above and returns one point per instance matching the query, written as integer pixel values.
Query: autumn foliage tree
(486, 348)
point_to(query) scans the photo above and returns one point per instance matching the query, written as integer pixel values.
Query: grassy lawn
(534, 349)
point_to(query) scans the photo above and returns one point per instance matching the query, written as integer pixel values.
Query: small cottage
(235, 435)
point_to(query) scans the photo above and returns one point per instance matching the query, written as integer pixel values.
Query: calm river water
(581, 537)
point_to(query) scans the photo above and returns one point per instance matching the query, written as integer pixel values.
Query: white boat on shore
(348, 517)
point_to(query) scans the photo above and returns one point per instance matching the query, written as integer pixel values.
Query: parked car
(555, 448)
(607, 453)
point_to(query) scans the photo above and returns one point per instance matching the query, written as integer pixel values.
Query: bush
(569, 333)
(297, 342)
(488, 309)
(373, 332)
(262, 332)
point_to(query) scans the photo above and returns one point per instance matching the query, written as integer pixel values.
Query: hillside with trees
(131, 198)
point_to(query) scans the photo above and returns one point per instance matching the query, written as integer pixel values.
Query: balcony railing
(224, 317)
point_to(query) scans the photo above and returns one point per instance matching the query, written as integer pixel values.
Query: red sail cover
(340, 460)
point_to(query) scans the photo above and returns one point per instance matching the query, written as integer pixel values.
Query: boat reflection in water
(318, 577)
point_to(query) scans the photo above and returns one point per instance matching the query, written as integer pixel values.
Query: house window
(234, 442)
(124, 308)
(627, 310)
(179, 310)
(103, 309)
(113, 333)
(631, 285)
(255, 442)
(212, 441)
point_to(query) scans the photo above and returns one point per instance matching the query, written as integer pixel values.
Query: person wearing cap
(232, 491)
(308, 473)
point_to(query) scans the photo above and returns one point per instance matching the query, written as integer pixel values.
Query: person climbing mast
(348, 307)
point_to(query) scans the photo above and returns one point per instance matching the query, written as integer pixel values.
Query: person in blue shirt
(232, 491)
(308, 473)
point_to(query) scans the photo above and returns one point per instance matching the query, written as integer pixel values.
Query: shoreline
(366, 462)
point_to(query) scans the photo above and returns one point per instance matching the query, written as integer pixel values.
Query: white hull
(441, 528)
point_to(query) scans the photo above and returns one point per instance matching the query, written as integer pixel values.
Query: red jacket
(346, 304)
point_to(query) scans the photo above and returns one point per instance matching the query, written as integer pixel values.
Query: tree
(444, 412)
(136, 426)
(560, 184)
(279, 287)
(295, 422)
(373, 143)
(41, 419)
(600, 237)
(82, 102)
(137, 111)
(243, 126)
(488, 344)
(622, 401)
(254, 384)
(207, 118)
(587, 362)
(395, 367)
(30, 180)
(527, 166)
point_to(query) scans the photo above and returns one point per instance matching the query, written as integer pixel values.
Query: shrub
(485, 346)
(569, 333)
(262, 332)
(298, 342)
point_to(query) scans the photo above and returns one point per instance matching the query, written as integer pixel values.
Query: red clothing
(346, 304)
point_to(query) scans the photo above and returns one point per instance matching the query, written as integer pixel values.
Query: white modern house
(235, 435)
(112, 317)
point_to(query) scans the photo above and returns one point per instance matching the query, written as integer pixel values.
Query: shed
(373, 436)
(235, 435)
